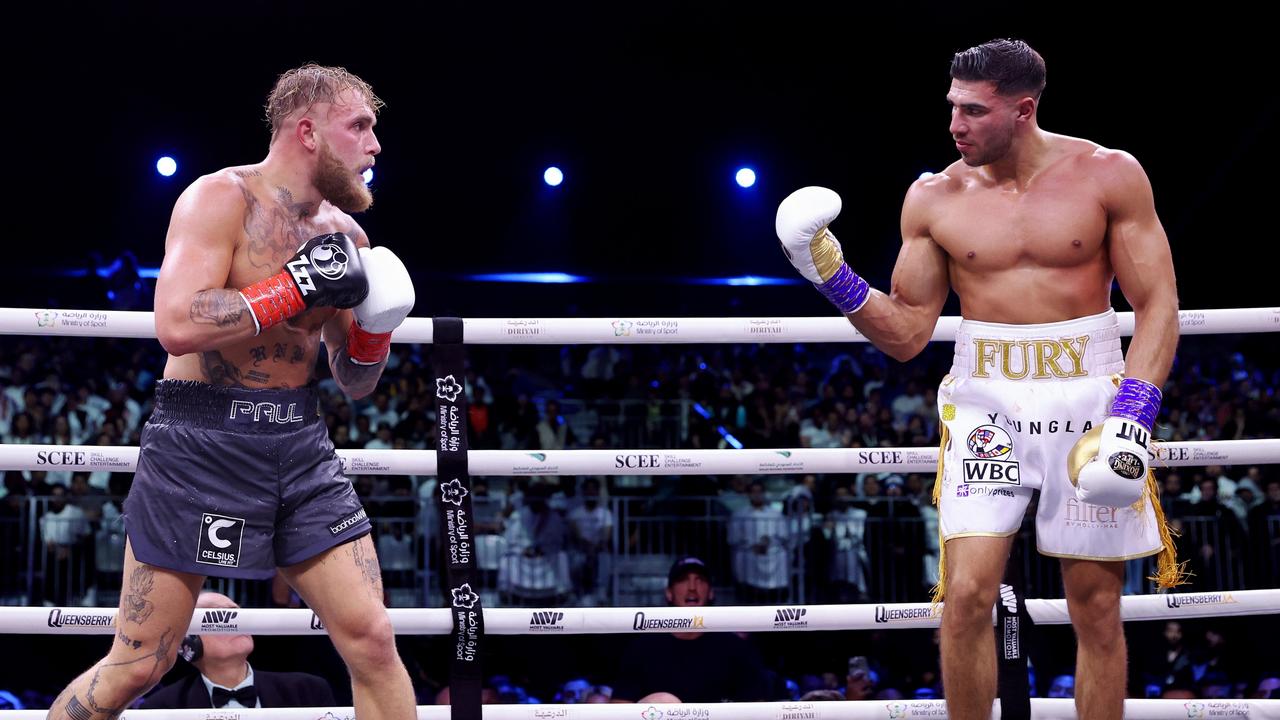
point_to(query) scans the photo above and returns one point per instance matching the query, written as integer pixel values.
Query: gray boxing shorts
(234, 482)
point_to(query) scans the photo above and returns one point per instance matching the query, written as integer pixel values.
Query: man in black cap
(689, 665)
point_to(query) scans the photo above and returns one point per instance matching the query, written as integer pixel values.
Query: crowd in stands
(79, 391)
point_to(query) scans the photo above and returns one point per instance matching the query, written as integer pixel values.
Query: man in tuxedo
(227, 680)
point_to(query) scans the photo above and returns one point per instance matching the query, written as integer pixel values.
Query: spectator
(592, 524)
(382, 440)
(63, 528)
(1172, 498)
(225, 679)
(903, 536)
(1170, 666)
(381, 413)
(63, 524)
(845, 528)
(22, 431)
(553, 432)
(907, 405)
(518, 425)
(693, 666)
(804, 535)
(362, 433)
(1063, 686)
(860, 682)
(1246, 498)
(1218, 536)
(758, 539)
(1264, 534)
(536, 565)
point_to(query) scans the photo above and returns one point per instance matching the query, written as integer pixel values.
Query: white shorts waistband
(1082, 347)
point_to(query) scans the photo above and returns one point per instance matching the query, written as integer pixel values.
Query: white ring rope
(600, 621)
(1041, 708)
(600, 331)
(795, 461)
(505, 621)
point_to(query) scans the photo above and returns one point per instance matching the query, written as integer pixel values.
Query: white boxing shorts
(1018, 397)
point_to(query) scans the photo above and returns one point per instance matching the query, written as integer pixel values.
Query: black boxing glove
(326, 271)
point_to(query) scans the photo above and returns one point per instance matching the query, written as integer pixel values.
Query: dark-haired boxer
(1029, 228)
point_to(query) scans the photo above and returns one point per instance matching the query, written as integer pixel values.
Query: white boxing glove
(389, 301)
(1109, 464)
(801, 225)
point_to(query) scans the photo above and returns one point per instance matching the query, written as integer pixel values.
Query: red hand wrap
(366, 348)
(273, 300)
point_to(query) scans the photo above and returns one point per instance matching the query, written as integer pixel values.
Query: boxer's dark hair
(305, 86)
(1012, 65)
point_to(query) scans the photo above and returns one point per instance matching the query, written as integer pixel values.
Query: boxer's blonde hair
(305, 86)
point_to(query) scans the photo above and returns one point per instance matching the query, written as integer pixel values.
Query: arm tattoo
(137, 608)
(222, 308)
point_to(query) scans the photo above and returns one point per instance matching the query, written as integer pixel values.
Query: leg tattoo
(128, 641)
(137, 608)
(159, 662)
(76, 711)
(368, 564)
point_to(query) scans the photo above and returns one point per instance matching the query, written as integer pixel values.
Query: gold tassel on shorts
(1169, 572)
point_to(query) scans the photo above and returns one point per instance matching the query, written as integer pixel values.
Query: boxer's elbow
(177, 337)
(177, 329)
(355, 381)
(897, 328)
(903, 353)
(904, 345)
(897, 346)
(358, 392)
(1161, 306)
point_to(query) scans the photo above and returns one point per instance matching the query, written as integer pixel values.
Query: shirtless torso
(262, 228)
(1030, 255)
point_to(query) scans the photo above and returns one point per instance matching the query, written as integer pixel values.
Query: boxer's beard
(339, 185)
(992, 151)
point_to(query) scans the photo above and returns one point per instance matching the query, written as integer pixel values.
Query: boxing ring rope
(841, 710)
(508, 621)
(620, 621)
(620, 330)
(780, 461)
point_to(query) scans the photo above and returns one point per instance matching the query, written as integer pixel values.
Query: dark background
(649, 109)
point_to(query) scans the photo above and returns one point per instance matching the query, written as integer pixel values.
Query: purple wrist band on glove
(1137, 400)
(845, 290)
